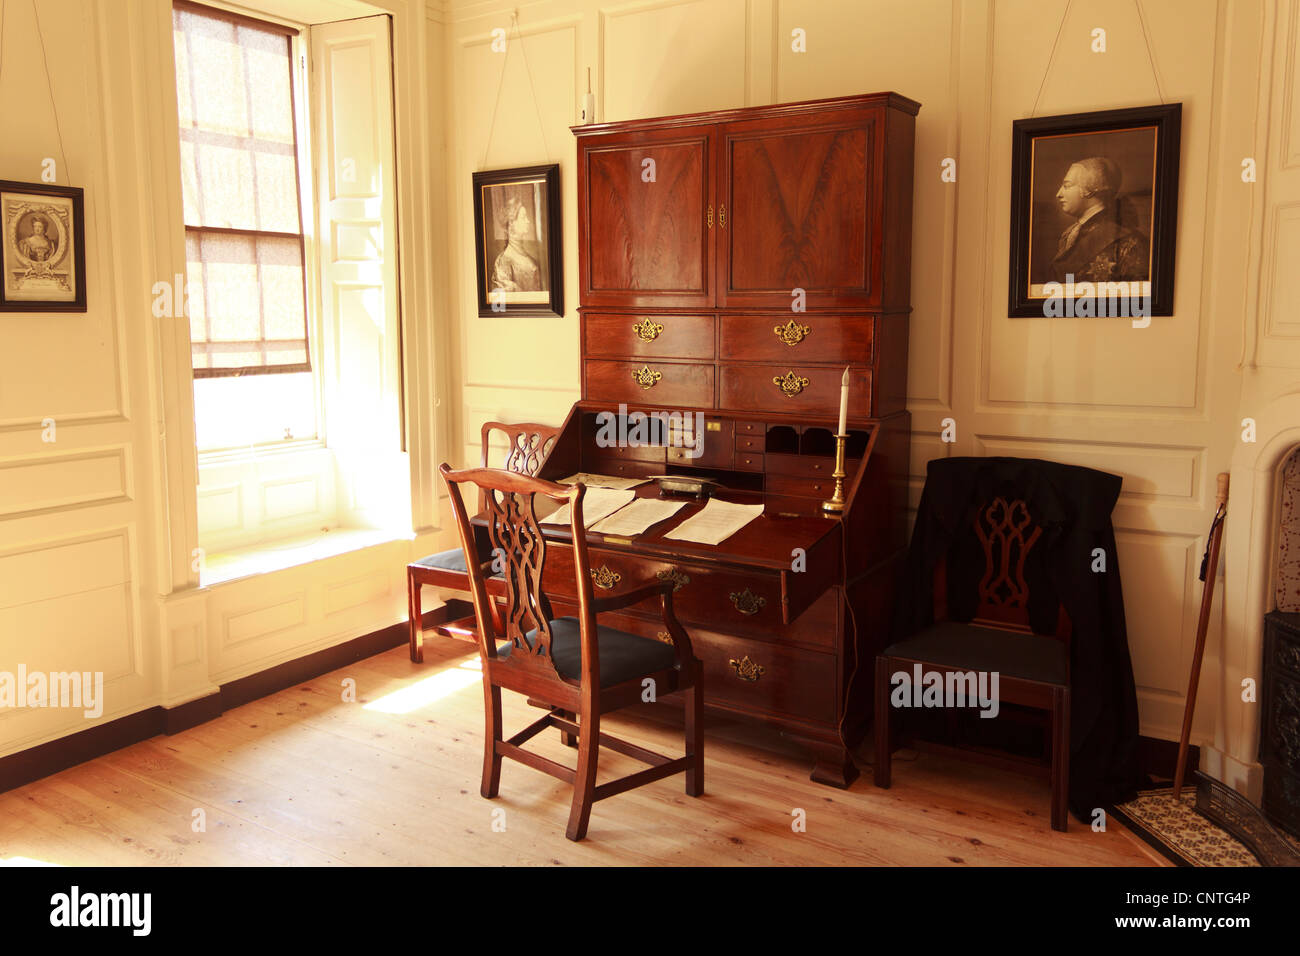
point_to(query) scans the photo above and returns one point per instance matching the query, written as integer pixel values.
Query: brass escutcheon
(646, 377)
(790, 383)
(747, 602)
(747, 669)
(604, 578)
(663, 636)
(646, 330)
(672, 574)
(792, 333)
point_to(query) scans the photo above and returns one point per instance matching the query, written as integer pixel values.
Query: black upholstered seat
(623, 656)
(971, 647)
(452, 559)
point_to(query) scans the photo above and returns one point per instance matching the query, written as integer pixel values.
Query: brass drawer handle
(710, 216)
(722, 215)
(604, 578)
(746, 669)
(790, 384)
(792, 333)
(678, 579)
(646, 330)
(647, 377)
(747, 602)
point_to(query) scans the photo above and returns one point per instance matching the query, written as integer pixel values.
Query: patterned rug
(1174, 828)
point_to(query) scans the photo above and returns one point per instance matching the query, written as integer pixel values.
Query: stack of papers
(637, 517)
(715, 523)
(602, 481)
(597, 503)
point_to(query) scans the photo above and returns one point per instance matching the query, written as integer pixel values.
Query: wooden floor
(305, 778)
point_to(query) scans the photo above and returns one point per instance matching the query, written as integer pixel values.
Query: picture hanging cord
(49, 85)
(532, 89)
(1051, 57)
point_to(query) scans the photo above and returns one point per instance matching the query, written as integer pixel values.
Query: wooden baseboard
(44, 759)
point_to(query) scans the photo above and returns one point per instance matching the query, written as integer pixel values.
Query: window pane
(253, 409)
(238, 140)
(246, 302)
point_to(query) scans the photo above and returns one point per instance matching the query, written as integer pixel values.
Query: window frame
(301, 96)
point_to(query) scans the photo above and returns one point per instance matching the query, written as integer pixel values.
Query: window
(244, 236)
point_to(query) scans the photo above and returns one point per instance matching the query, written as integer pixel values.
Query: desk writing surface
(764, 547)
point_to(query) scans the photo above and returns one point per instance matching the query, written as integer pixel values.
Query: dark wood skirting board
(56, 755)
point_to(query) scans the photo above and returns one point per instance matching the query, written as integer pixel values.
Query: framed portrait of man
(517, 241)
(1094, 213)
(42, 248)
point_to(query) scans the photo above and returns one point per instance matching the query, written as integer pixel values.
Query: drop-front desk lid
(791, 540)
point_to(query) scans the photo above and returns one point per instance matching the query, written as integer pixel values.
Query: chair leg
(695, 736)
(416, 619)
(1061, 759)
(566, 738)
(584, 780)
(491, 737)
(884, 748)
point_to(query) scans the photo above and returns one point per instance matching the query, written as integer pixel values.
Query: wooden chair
(528, 446)
(574, 665)
(1033, 669)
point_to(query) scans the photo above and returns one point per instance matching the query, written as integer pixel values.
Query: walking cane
(1209, 570)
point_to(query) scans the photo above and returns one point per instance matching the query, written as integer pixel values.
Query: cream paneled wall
(98, 528)
(1155, 405)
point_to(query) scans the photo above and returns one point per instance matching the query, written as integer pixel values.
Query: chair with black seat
(573, 665)
(528, 445)
(1033, 668)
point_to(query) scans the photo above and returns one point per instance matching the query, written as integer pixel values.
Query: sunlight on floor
(434, 687)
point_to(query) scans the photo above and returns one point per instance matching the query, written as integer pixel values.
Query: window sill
(226, 566)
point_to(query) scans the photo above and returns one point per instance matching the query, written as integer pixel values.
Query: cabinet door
(643, 219)
(800, 208)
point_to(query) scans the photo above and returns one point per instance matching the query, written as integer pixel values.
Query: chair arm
(681, 640)
(635, 596)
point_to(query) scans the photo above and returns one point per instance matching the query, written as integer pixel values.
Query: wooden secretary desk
(734, 263)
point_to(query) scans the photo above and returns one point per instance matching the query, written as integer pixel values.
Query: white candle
(844, 404)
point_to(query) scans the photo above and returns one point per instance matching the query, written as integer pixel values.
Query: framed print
(42, 248)
(1094, 213)
(517, 241)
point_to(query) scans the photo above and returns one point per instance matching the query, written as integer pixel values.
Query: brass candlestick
(835, 504)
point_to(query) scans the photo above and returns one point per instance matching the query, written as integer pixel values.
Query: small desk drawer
(751, 443)
(800, 487)
(751, 428)
(794, 389)
(648, 336)
(797, 337)
(746, 461)
(650, 383)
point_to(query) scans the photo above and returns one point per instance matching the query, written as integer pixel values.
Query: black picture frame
(62, 269)
(1107, 245)
(535, 265)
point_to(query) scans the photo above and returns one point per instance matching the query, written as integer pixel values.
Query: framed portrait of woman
(42, 248)
(517, 241)
(1094, 213)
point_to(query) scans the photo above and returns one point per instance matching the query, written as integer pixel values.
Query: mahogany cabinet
(734, 264)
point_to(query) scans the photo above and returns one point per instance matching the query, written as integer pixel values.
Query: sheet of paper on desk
(597, 503)
(637, 516)
(715, 523)
(603, 481)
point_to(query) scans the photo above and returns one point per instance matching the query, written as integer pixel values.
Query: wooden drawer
(732, 601)
(751, 443)
(665, 383)
(766, 678)
(808, 466)
(751, 428)
(653, 336)
(623, 468)
(748, 461)
(653, 453)
(800, 487)
(797, 337)
(812, 391)
(716, 450)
